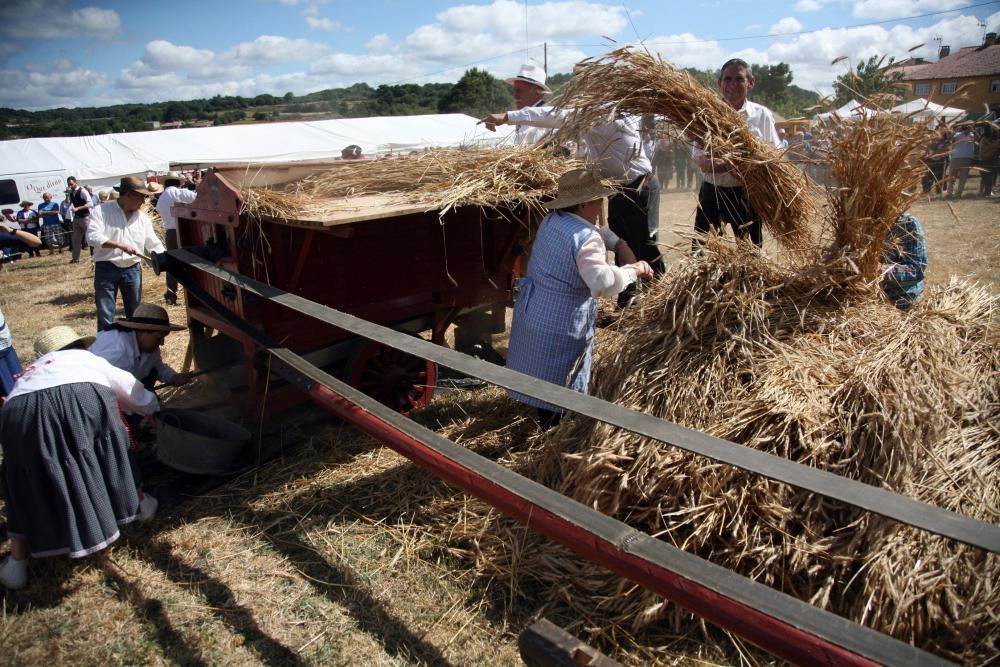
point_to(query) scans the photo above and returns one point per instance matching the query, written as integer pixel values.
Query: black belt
(891, 505)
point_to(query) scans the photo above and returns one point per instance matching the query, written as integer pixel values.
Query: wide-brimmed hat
(577, 187)
(172, 176)
(26, 203)
(531, 74)
(58, 338)
(149, 317)
(155, 188)
(132, 184)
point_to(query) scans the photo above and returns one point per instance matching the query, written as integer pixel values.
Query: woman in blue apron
(552, 334)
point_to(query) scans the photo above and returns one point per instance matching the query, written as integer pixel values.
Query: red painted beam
(778, 638)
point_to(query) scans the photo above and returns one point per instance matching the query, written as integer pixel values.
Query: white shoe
(14, 573)
(147, 507)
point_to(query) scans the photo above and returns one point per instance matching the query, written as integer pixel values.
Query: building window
(995, 86)
(948, 88)
(922, 89)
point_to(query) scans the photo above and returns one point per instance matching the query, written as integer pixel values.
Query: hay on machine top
(337, 193)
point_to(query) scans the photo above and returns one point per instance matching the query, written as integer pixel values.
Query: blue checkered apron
(552, 335)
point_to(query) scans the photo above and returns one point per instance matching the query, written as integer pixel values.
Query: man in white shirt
(722, 198)
(122, 234)
(172, 194)
(133, 344)
(617, 149)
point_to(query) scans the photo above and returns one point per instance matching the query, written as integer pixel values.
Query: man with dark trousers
(722, 198)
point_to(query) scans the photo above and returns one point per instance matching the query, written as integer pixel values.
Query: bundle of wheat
(439, 180)
(630, 82)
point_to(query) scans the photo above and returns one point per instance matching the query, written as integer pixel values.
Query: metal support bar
(780, 624)
(879, 501)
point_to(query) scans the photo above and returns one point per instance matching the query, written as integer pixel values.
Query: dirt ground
(314, 558)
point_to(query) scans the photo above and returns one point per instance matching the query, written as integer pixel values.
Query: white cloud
(379, 42)
(29, 21)
(324, 24)
(272, 49)
(889, 9)
(785, 26)
(809, 5)
(161, 54)
(39, 90)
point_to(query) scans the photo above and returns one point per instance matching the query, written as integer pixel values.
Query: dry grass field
(321, 556)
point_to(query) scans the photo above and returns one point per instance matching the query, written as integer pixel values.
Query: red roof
(966, 62)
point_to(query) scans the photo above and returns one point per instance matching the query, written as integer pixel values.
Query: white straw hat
(579, 186)
(58, 338)
(531, 74)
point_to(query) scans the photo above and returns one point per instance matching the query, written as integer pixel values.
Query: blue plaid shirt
(905, 255)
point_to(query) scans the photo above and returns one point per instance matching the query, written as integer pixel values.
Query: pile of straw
(802, 358)
(738, 347)
(630, 82)
(439, 180)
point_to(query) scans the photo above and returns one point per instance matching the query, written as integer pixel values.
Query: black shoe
(170, 299)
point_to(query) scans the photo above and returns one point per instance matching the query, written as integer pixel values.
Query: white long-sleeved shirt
(603, 279)
(169, 197)
(108, 223)
(121, 350)
(71, 366)
(760, 120)
(616, 147)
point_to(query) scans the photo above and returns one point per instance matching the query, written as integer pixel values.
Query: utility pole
(545, 65)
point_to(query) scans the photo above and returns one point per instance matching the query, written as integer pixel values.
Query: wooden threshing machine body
(397, 265)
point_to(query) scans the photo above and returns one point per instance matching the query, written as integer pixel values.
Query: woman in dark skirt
(66, 468)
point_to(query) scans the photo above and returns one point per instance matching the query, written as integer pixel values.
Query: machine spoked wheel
(393, 378)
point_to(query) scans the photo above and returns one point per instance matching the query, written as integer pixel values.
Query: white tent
(853, 110)
(102, 160)
(922, 109)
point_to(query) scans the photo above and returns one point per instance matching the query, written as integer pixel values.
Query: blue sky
(59, 53)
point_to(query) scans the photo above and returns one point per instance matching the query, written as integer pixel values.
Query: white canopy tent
(853, 110)
(102, 160)
(922, 109)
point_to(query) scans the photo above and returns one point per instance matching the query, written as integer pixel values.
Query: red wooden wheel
(393, 378)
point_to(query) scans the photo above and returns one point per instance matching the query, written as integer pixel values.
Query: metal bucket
(198, 443)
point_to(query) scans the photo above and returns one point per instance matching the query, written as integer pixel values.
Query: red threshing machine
(402, 266)
(350, 291)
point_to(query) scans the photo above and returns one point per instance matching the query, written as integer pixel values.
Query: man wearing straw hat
(552, 334)
(67, 479)
(173, 193)
(122, 234)
(133, 344)
(722, 198)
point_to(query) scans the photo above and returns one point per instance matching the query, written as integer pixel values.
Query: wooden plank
(545, 644)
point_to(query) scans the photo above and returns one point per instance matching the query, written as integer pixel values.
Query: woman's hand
(642, 269)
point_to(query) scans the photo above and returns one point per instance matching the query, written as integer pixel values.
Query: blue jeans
(108, 281)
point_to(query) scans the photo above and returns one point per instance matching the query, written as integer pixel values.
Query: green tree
(771, 86)
(869, 79)
(477, 94)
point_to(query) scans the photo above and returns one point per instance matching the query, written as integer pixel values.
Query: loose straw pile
(439, 180)
(802, 359)
(630, 82)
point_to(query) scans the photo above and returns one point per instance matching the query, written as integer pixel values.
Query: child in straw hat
(552, 334)
(68, 484)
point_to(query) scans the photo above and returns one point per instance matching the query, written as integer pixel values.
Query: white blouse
(71, 366)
